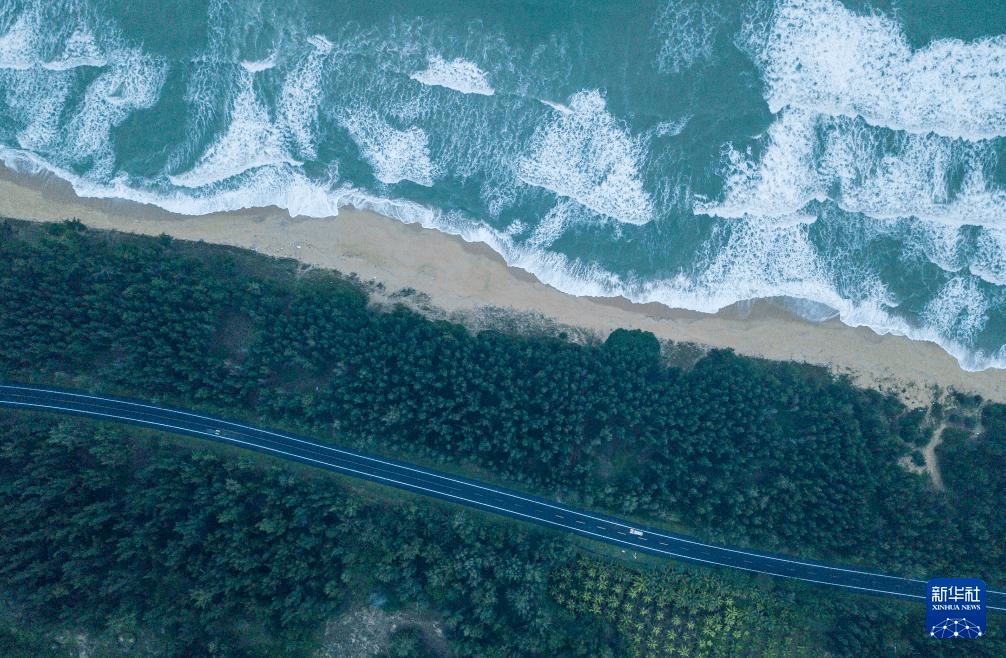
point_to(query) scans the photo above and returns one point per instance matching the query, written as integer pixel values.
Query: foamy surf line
(732, 277)
(551, 158)
(819, 55)
(462, 277)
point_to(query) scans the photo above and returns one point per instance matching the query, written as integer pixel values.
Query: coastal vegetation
(128, 542)
(777, 456)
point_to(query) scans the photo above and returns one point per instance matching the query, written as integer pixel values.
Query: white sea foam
(299, 99)
(252, 140)
(777, 261)
(18, 45)
(516, 227)
(883, 322)
(208, 104)
(881, 174)
(939, 243)
(394, 154)
(687, 30)
(760, 262)
(588, 156)
(37, 102)
(886, 175)
(763, 261)
(558, 107)
(672, 127)
(778, 185)
(282, 186)
(805, 157)
(319, 41)
(765, 251)
(990, 262)
(940, 183)
(260, 65)
(498, 192)
(958, 310)
(407, 107)
(564, 213)
(131, 82)
(37, 58)
(820, 56)
(80, 50)
(457, 74)
(31, 41)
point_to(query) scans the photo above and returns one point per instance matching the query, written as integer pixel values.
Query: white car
(637, 533)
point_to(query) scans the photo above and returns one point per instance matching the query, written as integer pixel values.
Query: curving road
(466, 492)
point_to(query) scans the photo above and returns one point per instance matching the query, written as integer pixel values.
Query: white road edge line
(447, 477)
(460, 498)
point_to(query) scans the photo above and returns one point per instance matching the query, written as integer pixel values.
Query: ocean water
(844, 158)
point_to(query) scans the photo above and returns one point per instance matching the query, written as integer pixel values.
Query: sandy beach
(463, 277)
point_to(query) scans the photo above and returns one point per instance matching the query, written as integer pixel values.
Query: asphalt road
(633, 539)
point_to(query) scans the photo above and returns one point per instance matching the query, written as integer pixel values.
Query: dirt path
(932, 466)
(929, 452)
(366, 632)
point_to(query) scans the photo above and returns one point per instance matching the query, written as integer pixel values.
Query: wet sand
(461, 277)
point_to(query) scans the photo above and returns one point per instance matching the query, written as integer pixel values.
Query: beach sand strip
(462, 277)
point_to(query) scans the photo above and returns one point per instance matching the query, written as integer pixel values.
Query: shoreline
(462, 277)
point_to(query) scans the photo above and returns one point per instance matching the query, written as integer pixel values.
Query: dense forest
(147, 546)
(773, 455)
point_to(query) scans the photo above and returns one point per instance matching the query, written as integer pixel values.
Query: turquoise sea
(844, 158)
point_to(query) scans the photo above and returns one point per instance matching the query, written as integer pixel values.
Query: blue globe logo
(956, 628)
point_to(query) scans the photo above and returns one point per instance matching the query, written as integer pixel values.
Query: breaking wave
(457, 74)
(827, 163)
